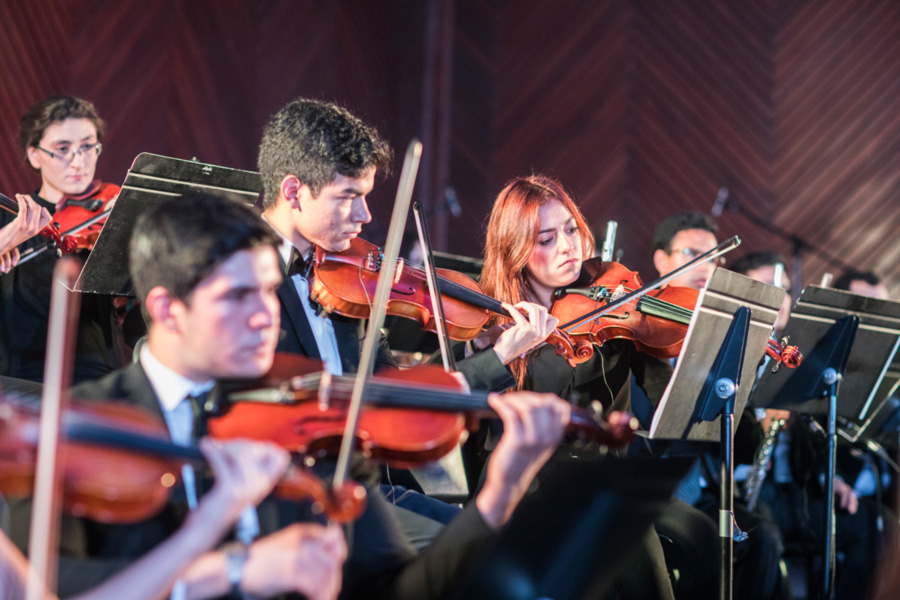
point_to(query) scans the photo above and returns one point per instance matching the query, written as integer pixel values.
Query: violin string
(461, 292)
(662, 308)
(676, 311)
(398, 394)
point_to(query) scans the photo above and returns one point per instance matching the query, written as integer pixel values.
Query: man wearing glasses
(60, 137)
(680, 239)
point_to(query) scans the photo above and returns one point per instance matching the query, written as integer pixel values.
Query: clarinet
(761, 463)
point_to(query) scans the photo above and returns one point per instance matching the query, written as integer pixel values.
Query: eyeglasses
(692, 253)
(66, 155)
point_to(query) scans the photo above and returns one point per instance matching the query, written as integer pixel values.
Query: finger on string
(515, 313)
(512, 419)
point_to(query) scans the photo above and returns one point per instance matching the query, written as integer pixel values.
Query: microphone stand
(798, 245)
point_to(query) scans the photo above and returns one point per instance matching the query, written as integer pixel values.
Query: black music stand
(868, 421)
(151, 179)
(725, 341)
(849, 342)
(571, 534)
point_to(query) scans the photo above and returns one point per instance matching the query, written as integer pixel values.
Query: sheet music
(716, 305)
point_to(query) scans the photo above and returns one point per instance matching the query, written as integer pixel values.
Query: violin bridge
(324, 397)
(372, 261)
(399, 271)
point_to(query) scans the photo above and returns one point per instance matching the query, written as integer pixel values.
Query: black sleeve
(383, 357)
(651, 375)
(76, 572)
(484, 371)
(382, 565)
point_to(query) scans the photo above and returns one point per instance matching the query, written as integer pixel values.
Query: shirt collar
(286, 246)
(170, 387)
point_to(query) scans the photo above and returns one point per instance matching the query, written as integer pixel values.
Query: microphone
(452, 203)
(719, 204)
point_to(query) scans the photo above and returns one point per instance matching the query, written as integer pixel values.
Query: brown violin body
(656, 322)
(345, 283)
(98, 482)
(78, 220)
(411, 416)
(81, 218)
(119, 465)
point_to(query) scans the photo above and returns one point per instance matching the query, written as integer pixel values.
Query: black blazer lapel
(296, 334)
(137, 388)
(129, 384)
(346, 332)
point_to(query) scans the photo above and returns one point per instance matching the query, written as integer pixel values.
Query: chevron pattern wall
(640, 108)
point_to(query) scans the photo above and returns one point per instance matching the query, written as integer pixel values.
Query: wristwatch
(235, 559)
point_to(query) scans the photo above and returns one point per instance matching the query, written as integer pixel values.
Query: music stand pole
(831, 378)
(717, 398)
(726, 500)
(837, 352)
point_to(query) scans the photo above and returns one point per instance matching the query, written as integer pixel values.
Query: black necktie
(199, 412)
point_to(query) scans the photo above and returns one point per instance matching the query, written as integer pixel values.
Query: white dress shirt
(321, 325)
(172, 390)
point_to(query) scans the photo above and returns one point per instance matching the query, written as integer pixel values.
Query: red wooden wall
(640, 108)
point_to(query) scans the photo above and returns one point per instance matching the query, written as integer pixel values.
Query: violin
(49, 231)
(119, 464)
(345, 283)
(77, 222)
(411, 416)
(656, 323)
(81, 218)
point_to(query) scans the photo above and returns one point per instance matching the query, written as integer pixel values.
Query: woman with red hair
(537, 240)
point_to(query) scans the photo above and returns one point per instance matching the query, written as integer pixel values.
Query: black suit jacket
(381, 563)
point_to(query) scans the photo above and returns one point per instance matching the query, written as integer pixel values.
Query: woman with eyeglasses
(60, 137)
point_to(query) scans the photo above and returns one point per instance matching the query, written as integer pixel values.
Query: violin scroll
(616, 431)
(782, 354)
(342, 505)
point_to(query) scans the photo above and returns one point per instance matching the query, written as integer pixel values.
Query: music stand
(726, 339)
(569, 537)
(152, 179)
(869, 416)
(849, 342)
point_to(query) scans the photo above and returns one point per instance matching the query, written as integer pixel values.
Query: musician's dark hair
(316, 141)
(850, 275)
(755, 260)
(179, 242)
(55, 109)
(670, 226)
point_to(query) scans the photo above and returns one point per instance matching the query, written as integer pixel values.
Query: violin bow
(58, 367)
(437, 304)
(723, 248)
(379, 308)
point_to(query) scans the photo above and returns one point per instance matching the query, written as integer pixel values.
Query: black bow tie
(296, 265)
